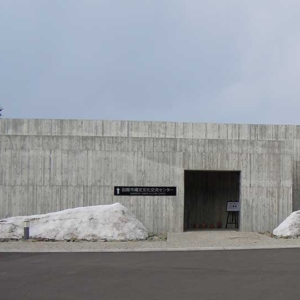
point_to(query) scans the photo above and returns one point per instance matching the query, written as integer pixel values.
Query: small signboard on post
(233, 206)
(145, 191)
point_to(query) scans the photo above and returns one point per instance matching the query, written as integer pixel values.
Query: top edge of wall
(149, 129)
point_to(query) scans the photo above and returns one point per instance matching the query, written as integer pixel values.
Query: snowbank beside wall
(290, 227)
(110, 222)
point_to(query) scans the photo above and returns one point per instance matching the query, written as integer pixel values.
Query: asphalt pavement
(242, 275)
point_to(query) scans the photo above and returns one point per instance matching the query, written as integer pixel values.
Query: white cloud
(267, 89)
(214, 61)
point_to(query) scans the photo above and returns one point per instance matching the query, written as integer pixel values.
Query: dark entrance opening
(206, 194)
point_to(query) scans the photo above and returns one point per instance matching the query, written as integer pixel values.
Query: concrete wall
(49, 165)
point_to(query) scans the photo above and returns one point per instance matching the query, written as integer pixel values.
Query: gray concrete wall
(49, 165)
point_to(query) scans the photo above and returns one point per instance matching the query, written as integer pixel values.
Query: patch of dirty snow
(290, 227)
(112, 222)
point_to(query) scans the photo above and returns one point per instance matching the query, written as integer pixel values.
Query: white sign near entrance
(233, 206)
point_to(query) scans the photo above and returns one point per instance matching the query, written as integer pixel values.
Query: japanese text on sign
(233, 206)
(144, 191)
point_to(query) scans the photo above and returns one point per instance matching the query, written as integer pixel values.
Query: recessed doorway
(206, 194)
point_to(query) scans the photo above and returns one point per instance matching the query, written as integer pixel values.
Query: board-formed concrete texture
(50, 165)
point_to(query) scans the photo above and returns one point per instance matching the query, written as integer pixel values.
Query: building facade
(50, 165)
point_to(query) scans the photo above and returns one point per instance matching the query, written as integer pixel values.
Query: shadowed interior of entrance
(206, 195)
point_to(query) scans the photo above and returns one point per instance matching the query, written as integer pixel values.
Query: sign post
(233, 209)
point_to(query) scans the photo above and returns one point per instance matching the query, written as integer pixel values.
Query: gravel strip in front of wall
(187, 240)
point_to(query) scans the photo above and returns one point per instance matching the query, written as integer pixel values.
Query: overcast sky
(227, 61)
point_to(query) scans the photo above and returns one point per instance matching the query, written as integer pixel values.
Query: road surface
(242, 275)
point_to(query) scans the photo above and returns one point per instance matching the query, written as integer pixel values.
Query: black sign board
(145, 190)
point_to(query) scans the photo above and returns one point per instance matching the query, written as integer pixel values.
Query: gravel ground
(176, 241)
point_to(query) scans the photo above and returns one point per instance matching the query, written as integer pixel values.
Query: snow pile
(290, 227)
(101, 222)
